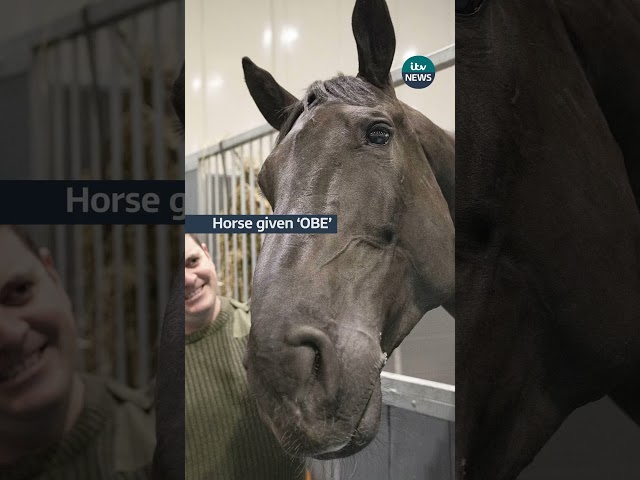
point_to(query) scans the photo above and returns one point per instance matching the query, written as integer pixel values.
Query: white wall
(309, 40)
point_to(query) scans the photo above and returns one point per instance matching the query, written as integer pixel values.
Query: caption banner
(261, 224)
(92, 202)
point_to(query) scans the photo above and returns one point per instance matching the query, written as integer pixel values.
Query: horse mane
(341, 88)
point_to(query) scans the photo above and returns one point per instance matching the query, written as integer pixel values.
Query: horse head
(327, 310)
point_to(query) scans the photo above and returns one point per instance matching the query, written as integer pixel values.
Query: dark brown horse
(548, 228)
(327, 310)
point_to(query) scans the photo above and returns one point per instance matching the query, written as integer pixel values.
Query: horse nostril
(317, 361)
(316, 356)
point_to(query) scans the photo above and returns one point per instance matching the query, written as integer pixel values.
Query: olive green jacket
(224, 436)
(113, 439)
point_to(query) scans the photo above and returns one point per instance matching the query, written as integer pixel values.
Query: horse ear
(271, 99)
(376, 41)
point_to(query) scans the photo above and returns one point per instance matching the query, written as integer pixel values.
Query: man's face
(200, 283)
(37, 333)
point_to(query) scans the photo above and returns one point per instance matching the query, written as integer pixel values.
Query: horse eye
(467, 7)
(378, 135)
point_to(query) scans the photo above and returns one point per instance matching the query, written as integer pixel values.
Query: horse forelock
(341, 88)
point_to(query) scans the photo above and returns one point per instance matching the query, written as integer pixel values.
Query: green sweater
(224, 437)
(113, 439)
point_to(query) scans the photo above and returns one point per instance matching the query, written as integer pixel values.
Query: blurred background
(84, 87)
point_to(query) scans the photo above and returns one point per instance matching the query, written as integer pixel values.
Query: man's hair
(195, 238)
(26, 239)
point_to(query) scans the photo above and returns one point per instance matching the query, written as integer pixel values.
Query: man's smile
(193, 293)
(15, 369)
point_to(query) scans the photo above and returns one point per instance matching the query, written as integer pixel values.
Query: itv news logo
(418, 71)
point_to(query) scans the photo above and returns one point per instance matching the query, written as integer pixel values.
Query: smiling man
(56, 423)
(201, 301)
(224, 436)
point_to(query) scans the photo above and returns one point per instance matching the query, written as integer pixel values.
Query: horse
(327, 310)
(548, 227)
(168, 457)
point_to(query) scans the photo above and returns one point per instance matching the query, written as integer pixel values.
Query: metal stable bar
(191, 161)
(159, 164)
(55, 61)
(252, 206)
(225, 210)
(137, 147)
(76, 172)
(216, 197)
(39, 116)
(92, 17)
(116, 173)
(263, 201)
(97, 231)
(434, 399)
(15, 53)
(206, 191)
(234, 237)
(243, 211)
